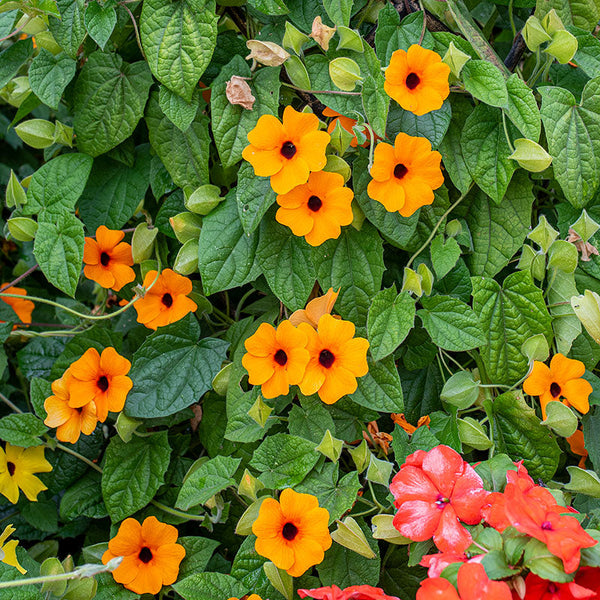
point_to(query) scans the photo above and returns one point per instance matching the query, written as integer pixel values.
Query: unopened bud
(536, 348)
(587, 309)
(563, 46)
(186, 261)
(126, 427)
(23, 229)
(31, 26)
(244, 525)
(461, 390)
(297, 73)
(266, 53)
(543, 234)
(472, 433)
(220, 383)
(336, 164)
(350, 39)
(321, 33)
(344, 73)
(36, 133)
(563, 255)
(534, 34)
(351, 536)
(361, 455)
(238, 92)
(259, 412)
(293, 38)
(15, 194)
(455, 59)
(203, 199)
(379, 471)
(186, 226)
(249, 486)
(585, 227)
(142, 242)
(530, 155)
(560, 418)
(330, 447)
(426, 278)
(552, 22)
(412, 282)
(383, 529)
(340, 138)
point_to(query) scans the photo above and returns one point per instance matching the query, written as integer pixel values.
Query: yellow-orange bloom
(9, 549)
(107, 260)
(151, 556)
(317, 209)
(562, 380)
(70, 422)
(337, 358)
(275, 358)
(23, 308)
(292, 533)
(17, 468)
(417, 80)
(101, 379)
(287, 152)
(405, 174)
(577, 446)
(166, 302)
(346, 122)
(400, 420)
(315, 309)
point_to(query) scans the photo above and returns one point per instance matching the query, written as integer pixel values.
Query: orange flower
(563, 379)
(374, 437)
(346, 122)
(337, 358)
(166, 301)
(99, 378)
(315, 309)
(23, 308)
(577, 446)
(400, 420)
(317, 209)
(70, 422)
(287, 152)
(417, 80)
(405, 174)
(292, 533)
(151, 555)
(276, 358)
(108, 262)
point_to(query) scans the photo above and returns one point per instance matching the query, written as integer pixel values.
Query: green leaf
(198, 551)
(133, 472)
(254, 196)
(485, 82)
(176, 109)
(57, 185)
(375, 103)
(581, 13)
(565, 324)
(518, 433)
(39, 390)
(573, 132)
(58, 249)
(179, 39)
(269, 7)
(509, 315)
(109, 100)
(432, 125)
(587, 56)
(286, 263)
(231, 123)
(69, 30)
(13, 58)
(451, 324)
(311, 420)
(522, 109)
(209, 586)
(22, 430)
(284, 460)
(185, 154)
(173, 369)
(486, 151)
(208, 479)
(49, 75)
(226, 254)
(83, 499)
(100, 20)
(498, 231)
(339, 11)
(354, 263)
(380, 388)
(390, 319)
(444, 255)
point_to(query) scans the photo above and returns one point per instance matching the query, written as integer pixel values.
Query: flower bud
(23, 229)
(249, 486)
(560, 418)
(280, 580)
(426, 278)
(322, 34)
(585, 227)
(297, 73)
(336, 164)
(563, 255)
(552, 22)
(52, 567)
(379, 471)
(412, 282)
(186, 261)
(472, 433)
(563, 46)
(238, 92)
(340, 138)
(31, 26)
(526, 259)
(533, 33)
(244, 525)
(584, 482)
(536, 348)
(530, 155)
(351, 536)
(15, 91)
(63, 134)
(460, 390)
(293, 38)
(350, 39)
(36, 133)
(361, 455)
(543, 234)
(186, 226)
(454, 228)
(587, 309)
(220, 383)
(518, 584)
(538, 267)
(330, 447)
(383, 529)
(126, 427)
(266, 53)
(259, 412)
(142, 242)
(15, 194)
(456, 59)
(344, 73)
(46, 40)
(203, 199)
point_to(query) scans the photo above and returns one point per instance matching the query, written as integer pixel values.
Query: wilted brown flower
(238, 92)
(321, 33)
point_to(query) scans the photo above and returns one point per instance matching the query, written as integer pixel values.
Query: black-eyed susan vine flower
(315, 309)
(17, 472)
(8, 549)
(22, 307)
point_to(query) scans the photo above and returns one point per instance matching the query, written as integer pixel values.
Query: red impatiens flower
(436, 563)
(537, 588)
(433, 492)
(473, 584)
(355, 592)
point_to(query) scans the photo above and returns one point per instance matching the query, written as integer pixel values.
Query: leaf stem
(295, 87)
(505, 126)
(19, 278)
(82, 458)
(10, 404)
(177, 513)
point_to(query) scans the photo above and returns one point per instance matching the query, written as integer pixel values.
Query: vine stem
(437, 226)
(10, 404)
(505, 126)
(82, 458)
(19, 278)
(340, 93)
(135, 29)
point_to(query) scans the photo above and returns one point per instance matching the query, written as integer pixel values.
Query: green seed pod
(530, 155)
(186, 226)
(36, 133)
(293, 38)
(186, 261)
(563, 46)
(297, 73)
(350, 39)
(142, 243)
(534, 34)
(344, 73)
(23, 229)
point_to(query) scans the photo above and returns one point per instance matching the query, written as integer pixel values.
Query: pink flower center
(441, 501)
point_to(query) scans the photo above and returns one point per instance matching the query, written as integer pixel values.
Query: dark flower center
(79, 409)
(552, 588)
(412, 81)
(288, 150)
(326, 358)
(11, 468)
(555, 390)
(167, 300)
(289, 532)
(102, 383)
(145, 554)
(400, 171)
(547, 526)
(280, 357)
(104, 259)
(315, 203)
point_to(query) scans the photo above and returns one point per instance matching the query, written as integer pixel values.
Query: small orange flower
(108, 261)
(577, 446)
(293, 533)
(276, 358)
(150, 553)
(337, 358)
(23, 308)
(166, 302)
(70, 422)
(417, 80)
(405, 174)
(346, 122)
(287, 152)
(374, 437)
(99, 378)
(400, 420)
(315, 309)
(563, 379)
(317, 209)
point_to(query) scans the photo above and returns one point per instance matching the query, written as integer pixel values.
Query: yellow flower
(17, 468)
(8, 550)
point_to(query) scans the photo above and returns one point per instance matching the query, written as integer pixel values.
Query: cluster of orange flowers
(312, 349)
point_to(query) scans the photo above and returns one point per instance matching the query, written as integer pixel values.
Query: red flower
(436, 563)
(473, 584)
(433, 492)
(537, 588)
(355, 592)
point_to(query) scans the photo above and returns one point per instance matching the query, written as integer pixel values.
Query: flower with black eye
(17, 468)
